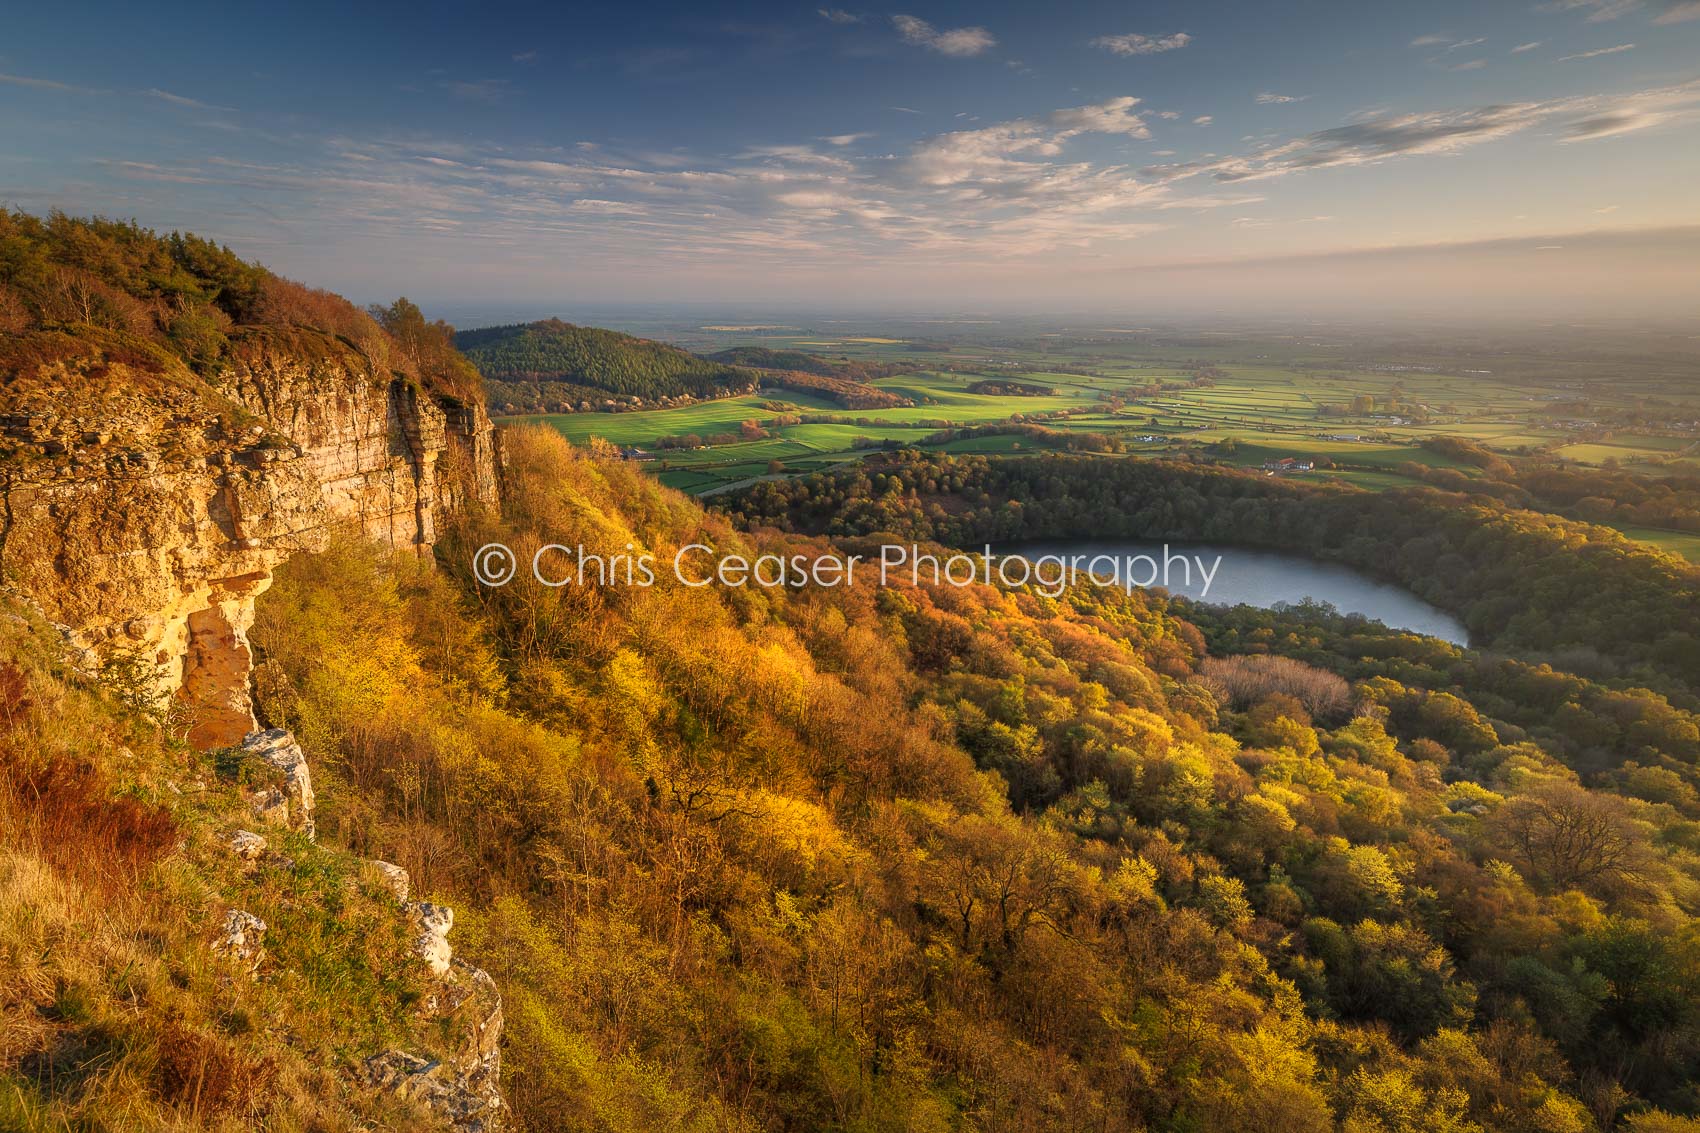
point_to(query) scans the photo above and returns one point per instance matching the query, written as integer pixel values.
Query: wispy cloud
(46, 84)
(984, 194)
(606, 208)
(526, 57)
(1270, 98)
(1134, 43)
(478, 90)
(1203, 120)
(181, 100)
(1600, 11)
(1447, 43)
(1385, 136)
(1596, 53)
(1005, 154)
(1522, 47)
(839, 16)
(1678, 11)
(957, 42)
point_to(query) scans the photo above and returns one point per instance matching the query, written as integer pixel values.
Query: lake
(1256, 578)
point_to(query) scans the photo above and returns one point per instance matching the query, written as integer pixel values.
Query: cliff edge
(175, 422)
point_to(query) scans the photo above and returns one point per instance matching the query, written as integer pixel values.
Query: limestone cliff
(145, 507)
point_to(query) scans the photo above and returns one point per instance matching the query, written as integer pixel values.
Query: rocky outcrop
(456, 1098)
(464, 1089)
(288, 802)
(145, 507)
(432, 942)
(247, 845)
(394, 877)
(242, 938)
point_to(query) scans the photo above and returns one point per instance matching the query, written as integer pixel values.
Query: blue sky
(1021, 154)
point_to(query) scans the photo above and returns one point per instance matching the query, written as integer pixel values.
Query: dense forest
(1669, 500)
(915, 858)
(1518, 579)
(922, 858)
(551, 366)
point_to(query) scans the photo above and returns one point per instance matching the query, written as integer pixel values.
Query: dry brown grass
(65, 812)
(115, 1012)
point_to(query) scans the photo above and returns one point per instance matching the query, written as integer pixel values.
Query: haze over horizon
(1532, 160)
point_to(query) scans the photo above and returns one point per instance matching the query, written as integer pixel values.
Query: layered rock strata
(144, 508)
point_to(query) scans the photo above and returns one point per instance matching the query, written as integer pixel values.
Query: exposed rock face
(455, 1097)
(242, 938)
(432, 944)
(145, 507)
(290, 802)
(247, 845)
(395, 878)
(465, 1090)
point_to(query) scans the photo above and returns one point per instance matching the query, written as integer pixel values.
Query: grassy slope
(115, 1013)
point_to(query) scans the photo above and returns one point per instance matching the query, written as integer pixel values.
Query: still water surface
(1265, 578)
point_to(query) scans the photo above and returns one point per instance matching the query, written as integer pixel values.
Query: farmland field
(1361, 409)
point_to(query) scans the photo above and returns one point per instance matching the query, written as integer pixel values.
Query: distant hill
(553, 365)
(855, 370)
(842, 379)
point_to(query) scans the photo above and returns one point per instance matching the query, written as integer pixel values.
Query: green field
(1361, 411)
(1679, 543)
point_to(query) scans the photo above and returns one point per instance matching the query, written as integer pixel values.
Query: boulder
(432, 942)
(468, 1105)
(394, 877)
(290, 802)
(242, 938)
(247, 845)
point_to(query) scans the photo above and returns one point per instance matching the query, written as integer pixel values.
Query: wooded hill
(850, 369)
(554, 366)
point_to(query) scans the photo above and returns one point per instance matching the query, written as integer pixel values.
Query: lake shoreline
(1262, 577)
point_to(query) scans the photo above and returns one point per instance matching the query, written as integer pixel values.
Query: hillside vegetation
(967, 858)
(550, 366)
(914, 858)
(70, 287)
(117, 1010)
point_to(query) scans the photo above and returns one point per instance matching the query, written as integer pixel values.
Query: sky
(1519, 157)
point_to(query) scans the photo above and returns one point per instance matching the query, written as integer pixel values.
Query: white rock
(432, 943)
(247, 845)
(470, 1103)
(395, 878)
(243, 939)
(292, 805)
